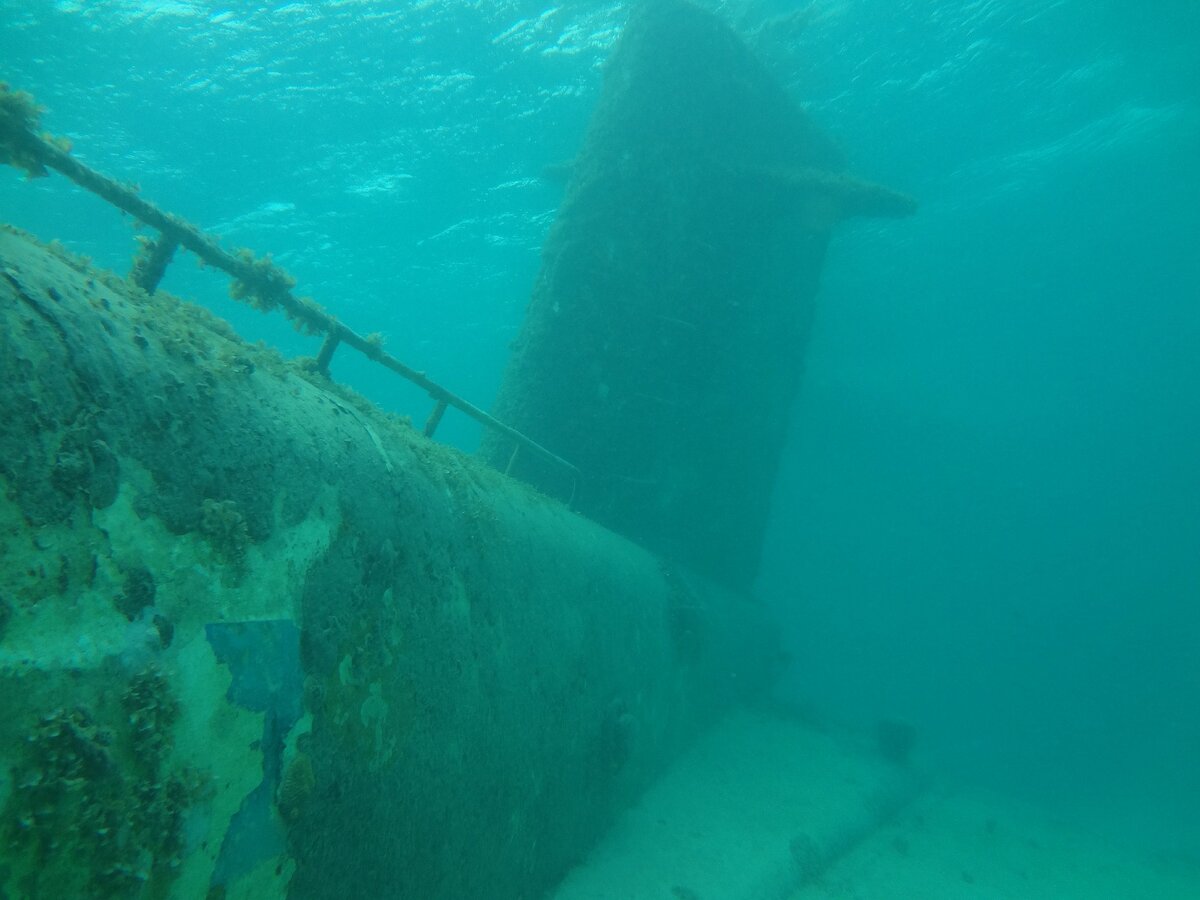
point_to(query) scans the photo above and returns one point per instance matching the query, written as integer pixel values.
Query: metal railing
(257, 280)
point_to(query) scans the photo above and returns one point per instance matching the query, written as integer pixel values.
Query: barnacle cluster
(262, 283)
(265, 286)
(375, 342)
(311, 318)
(95, 810)
(225, 527)
(137, 592)
(20, 117)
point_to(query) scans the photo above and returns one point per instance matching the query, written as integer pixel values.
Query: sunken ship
(260, 639)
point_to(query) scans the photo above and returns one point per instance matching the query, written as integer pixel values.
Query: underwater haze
(987, 521)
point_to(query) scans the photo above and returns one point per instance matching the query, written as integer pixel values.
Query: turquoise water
(988, 520)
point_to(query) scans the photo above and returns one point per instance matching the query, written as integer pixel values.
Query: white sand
(755, 803)
(765, 808)
(967, 844)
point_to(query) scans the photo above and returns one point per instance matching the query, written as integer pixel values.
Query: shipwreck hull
(258, 639)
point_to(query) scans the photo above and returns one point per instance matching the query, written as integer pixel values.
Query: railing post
(435, 417)
(332, 339)
(257, 281)
(150, 264)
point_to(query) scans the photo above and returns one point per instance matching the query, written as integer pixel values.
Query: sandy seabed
(767, 808)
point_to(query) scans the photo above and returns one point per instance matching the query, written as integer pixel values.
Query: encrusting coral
(95, 808)
(225, 527)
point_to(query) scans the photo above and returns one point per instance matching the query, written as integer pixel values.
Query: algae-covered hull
(258, 639)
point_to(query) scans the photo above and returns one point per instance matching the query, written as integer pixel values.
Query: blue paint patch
(264, 659)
